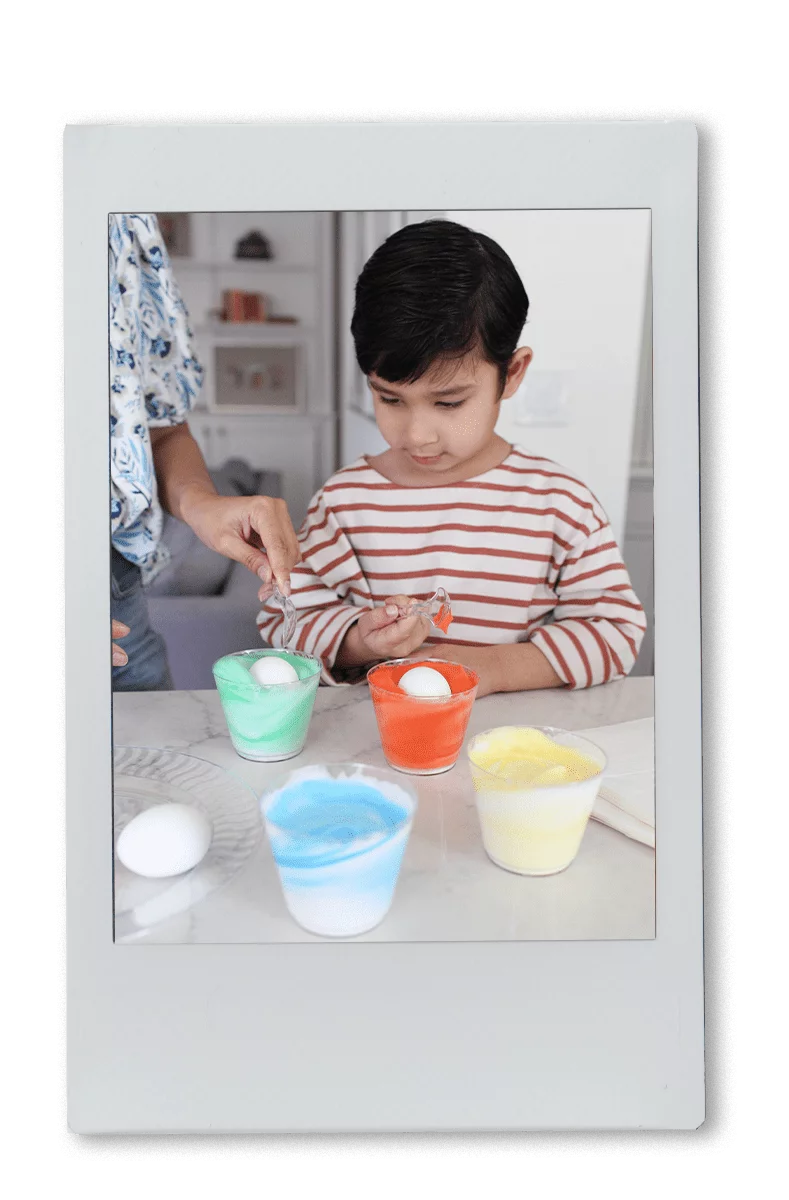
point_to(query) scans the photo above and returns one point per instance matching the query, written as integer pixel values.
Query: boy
(540, 595)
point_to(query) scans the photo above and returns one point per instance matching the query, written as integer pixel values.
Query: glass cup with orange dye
(421, 735)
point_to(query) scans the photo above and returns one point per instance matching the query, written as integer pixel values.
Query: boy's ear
(517, 369)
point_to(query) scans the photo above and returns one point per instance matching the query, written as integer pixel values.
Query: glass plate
(145, 777)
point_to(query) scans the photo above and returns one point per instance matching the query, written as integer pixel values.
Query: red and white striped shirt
(524, 550)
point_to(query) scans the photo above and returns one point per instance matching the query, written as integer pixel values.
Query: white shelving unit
(297, 441)
(256, 266)
(241, 333)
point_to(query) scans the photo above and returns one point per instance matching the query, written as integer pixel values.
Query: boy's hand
(385, 634)
(381, 633)
(119, 656)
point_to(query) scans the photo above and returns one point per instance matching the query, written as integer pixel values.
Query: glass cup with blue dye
(267, 723)
(338, 833)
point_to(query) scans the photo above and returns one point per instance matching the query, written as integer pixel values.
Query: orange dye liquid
(443, 618)
(419, 734)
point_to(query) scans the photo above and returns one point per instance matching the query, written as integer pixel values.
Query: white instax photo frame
(388, 1036)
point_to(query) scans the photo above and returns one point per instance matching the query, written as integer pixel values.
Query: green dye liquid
(266, 723)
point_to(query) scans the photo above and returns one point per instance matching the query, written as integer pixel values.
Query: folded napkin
(626, 800)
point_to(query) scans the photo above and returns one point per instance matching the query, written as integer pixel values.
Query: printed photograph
(381, 521)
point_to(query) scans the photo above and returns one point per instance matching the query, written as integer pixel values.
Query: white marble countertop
(448, 888)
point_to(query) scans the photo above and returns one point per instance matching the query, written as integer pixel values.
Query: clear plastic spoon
(437, 608)
(289, 611)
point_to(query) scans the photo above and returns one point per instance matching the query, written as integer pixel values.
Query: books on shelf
(242, 306)
(245, 308)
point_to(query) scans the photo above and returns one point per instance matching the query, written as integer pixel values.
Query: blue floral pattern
(155, 376)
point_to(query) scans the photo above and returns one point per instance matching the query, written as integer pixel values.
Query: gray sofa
(203, 604)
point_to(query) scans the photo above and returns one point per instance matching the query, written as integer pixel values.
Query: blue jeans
(147, 669)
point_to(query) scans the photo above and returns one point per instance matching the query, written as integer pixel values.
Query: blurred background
(270, 298)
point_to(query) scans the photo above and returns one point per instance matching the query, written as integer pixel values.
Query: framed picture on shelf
(176, 233)
(250, 378)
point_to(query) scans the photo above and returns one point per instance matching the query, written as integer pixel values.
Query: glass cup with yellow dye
(535, 790)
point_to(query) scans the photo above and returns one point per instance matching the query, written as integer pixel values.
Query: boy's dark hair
(433, 292)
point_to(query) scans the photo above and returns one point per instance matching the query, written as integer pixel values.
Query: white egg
(425, 682)
(272, 669)
(165, 840)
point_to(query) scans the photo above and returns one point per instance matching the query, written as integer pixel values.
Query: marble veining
(448, 889)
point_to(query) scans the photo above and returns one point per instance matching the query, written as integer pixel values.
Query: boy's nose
(421, 437)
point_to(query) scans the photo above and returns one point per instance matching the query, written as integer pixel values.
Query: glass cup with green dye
(267, 723)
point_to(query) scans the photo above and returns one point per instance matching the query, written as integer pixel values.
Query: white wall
(585, 273)
(359, 436)
(639, 535)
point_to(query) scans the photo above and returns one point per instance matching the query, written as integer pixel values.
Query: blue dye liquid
(323, 822)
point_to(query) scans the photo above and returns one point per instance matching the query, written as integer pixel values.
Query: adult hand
(119, 655)
(254, 530)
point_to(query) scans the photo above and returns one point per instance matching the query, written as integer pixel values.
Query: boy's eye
(439, 403)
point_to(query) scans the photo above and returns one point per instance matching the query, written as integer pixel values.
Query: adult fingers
(119, 630)
(232, 545)
(291, 536)
(271, 521)
(119, 657)
(267, 586)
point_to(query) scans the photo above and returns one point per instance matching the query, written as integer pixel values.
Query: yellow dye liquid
(534, 797)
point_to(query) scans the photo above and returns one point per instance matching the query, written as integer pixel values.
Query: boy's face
(448, 417)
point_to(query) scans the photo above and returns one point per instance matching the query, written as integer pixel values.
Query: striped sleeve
(598, 623)
(328, 590)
